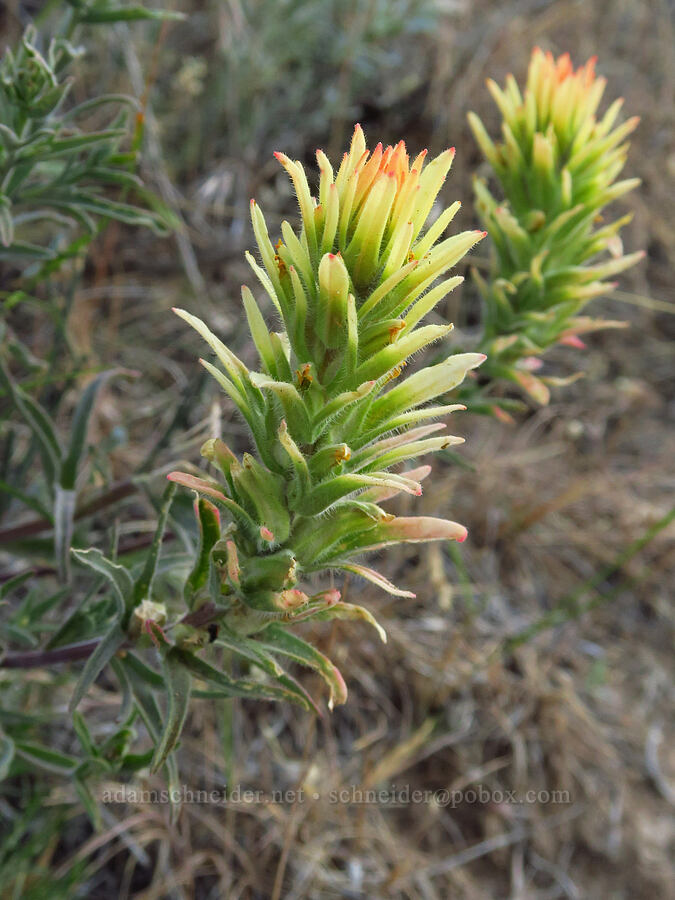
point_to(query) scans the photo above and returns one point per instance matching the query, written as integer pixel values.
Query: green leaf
(208, 518)
(149, 710)
(29, 501)
(6, 755)
(51, 760)
(134, 762)
(39, 423)
(89, 803)
(352, 612)
(109, 14)
(179, 685)
(127, 703)
(140, 671)
(232, 687)
(64, 515)
(78, 431)
(143, 584)
(26, 250)
(7, 588)
(69, 144)
(118, 576)
(83, 735)
(87, 620)
(254, 653)
(101, 656)
(6, 222)
(278, 640)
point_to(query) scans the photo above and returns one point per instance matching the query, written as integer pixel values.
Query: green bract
(557, 166)
(333, 419)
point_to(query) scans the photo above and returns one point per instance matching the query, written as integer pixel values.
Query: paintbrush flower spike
(557, 165)
(333, 413)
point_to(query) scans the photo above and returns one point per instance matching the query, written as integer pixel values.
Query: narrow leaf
(281, 641)
(179, 685)
(143, 584)
(98, 660)
(118, 576)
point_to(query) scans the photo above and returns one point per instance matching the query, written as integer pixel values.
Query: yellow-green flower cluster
(557, 165)
(331, 413)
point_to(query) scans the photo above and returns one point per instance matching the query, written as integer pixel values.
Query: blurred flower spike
(333, 417)
(557, 165)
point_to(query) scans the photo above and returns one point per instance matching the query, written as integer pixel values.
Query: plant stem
(117, 492)
(36, 658)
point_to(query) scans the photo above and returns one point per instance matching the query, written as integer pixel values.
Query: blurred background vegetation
(536, 656)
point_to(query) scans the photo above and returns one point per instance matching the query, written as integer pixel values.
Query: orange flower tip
(483, 234)
(483, 357)
(418, 492)
(642, 253)
(463, 537)
(277, 155)
(266, 534)
(452, 150)
(571, 340)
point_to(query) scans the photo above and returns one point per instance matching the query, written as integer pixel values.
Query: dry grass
(583, 708)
